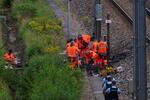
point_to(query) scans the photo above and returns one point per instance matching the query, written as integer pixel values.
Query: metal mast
(69, 20)
(140, 50)
(98, 18)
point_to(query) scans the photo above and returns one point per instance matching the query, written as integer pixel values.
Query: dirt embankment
(148, 3)
(84, 10)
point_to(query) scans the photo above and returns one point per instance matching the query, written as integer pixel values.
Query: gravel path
(87, 93)
(85, 11)
(96, 85)
(76, 27)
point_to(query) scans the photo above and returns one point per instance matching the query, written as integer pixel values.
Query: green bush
(45, 25)
(1, 47)
(5, 3)
(4, 92)
(34, 50)
(55, 80)
(4, 77)
(24, 10)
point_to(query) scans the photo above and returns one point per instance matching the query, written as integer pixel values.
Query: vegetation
(5, 3)
(62, 4)
(45, 76)
(4, 90)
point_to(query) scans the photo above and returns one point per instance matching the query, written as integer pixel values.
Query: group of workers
(91, 54)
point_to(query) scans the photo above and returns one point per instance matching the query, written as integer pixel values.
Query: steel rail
(148, 11)
(128, 17)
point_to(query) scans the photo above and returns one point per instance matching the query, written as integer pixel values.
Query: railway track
(130, 20)
(148, 11)
(128, 17)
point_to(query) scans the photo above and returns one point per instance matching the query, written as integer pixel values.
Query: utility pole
(98, 18)
(108, 22)
(140, 74)
(68, 20)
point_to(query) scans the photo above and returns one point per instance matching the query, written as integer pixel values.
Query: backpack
(113, 95)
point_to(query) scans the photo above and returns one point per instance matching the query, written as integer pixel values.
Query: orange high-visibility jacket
(94, 55)
(76, 44)
(8, 57)
(86, 38)
(68, 44)
(72, 51)
(94, 46)
(102, 47)
(80, 44)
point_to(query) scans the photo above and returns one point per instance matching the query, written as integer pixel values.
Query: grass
(45, 76)
(4, 90)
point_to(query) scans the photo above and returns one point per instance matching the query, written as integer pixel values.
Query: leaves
(44, 25)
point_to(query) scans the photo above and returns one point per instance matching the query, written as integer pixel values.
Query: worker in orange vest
(68, 44)
(99, 62)
(72, 53)
(81, 46)
(89, 57)
(86, 38)
(76, 42)
(9, 57)
(105, 62)
(102, 47)
(93, 55)
(94, 46)
(88, 61)
(80, 42)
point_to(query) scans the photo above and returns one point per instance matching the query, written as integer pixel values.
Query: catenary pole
(98, 18)
(68, 20)
(140, 70)
(108, 22)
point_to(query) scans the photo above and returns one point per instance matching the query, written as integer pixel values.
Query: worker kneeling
(98, 64)
(72, 53)
(9, 58)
